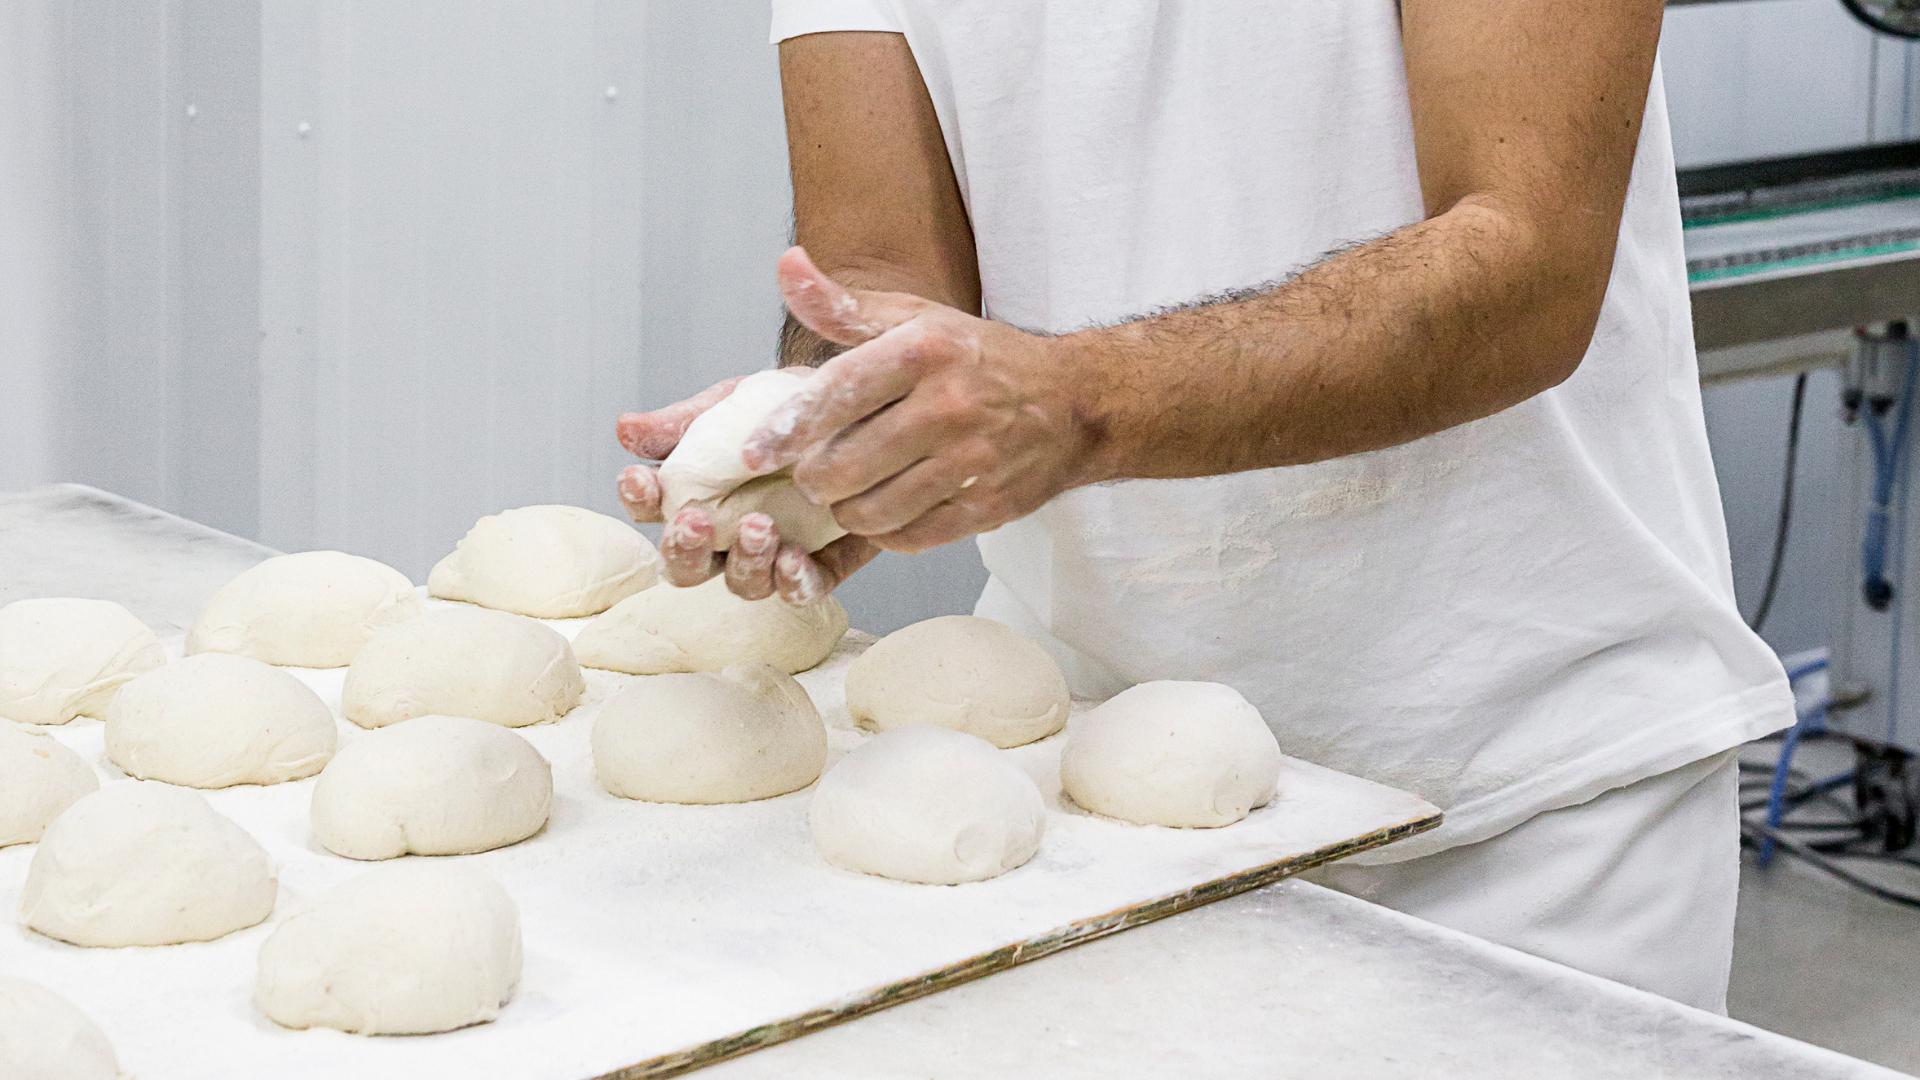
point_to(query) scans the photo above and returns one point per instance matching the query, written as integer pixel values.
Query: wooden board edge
(681, 1062)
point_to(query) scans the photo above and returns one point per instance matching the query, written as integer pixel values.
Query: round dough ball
(407, 949)
(44, 1037)
(706, 628)
(1185, 754)
(489, 665)
(929, 805)
(64, 657)
(311, 609)
(213, 721)
(140, 863)
(705, 468)
(550, 562)
(745, 733)
(435, 785)
(962, 672)
(39, 778)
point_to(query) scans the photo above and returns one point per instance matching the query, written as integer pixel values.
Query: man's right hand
(758, 565)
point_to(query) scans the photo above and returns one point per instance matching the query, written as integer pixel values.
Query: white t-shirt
(1508, 617)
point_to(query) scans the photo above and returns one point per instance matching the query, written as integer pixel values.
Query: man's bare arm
(874, 195)
(1526, 119)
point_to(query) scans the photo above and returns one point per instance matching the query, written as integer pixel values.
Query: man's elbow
(1565, 326)
(1556, 284)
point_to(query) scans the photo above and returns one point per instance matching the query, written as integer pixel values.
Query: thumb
(841, 315)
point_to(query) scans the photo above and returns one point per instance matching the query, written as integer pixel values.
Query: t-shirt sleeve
(792, 18)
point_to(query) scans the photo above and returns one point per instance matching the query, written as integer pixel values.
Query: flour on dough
(463, 661)
(745, 733)
(705, 468)
(64, 657)
(961, 672)
(1183, 754)
(39, 778)
(213, 721)
(435, 785)
(548, 562)
(310, 609)
(410, 948)
(143, 863)
(928, 805)
(44, 1037)
(706, 628)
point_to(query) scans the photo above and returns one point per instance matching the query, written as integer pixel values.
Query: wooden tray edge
(680, 1062)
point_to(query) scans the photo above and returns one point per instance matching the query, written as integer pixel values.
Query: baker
(1338, 352)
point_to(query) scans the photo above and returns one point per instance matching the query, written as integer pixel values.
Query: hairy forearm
(1443, 322)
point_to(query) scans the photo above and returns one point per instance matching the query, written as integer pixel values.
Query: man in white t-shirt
(1336, 351)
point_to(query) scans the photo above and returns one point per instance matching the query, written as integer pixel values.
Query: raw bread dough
(706, 628)
(44, 1037)
(705, 468)
(39, 778)
(962, 672)
(407, 949)
(489, 665)
(141, 863)
(435, 785)
(549, 562)
(748, 732)
(1186, 754)
(213, 721)
(929, 805)
(310, 609)
(62, 657)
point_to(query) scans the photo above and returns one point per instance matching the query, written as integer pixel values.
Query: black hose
(1784, 524)
(1813, 857)
(1872, 17)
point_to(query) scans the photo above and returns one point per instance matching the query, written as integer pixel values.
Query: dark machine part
(1900, 18)
(1886, 788)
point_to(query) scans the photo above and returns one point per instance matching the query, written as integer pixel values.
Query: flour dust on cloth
(1507, 617)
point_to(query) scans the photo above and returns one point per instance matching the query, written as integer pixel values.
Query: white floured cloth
(1637, 885)
(1508, 617)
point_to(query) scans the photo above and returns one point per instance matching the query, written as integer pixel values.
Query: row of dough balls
(1177, 754)
(921, 804)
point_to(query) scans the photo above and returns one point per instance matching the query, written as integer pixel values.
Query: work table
(1291, 979)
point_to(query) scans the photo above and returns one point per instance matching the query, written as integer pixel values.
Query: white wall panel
(1767, 78)
(450, 248)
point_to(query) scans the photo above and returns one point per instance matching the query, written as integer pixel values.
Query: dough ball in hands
(44, 1037)
(213, 721)
(435, 785)
(1185, 754)
(410, 948)
(311, 609)
(961, 672)
(140, 863)
(745, 733)
(706, 628)
(705, 468)
(928, 805)
(63, 657)
(549, 562)
(489, 665)
(39, 779)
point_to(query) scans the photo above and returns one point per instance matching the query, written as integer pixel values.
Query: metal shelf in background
(1788, 253)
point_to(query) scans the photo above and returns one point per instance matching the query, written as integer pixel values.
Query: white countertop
(1289, 980)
